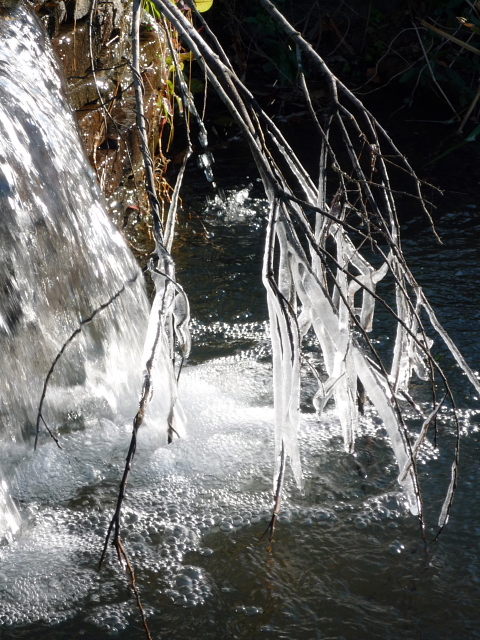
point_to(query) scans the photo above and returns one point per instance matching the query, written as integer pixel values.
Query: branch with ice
(169, 314)
(315, 267)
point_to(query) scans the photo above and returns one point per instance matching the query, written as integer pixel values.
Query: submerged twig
(133, 583)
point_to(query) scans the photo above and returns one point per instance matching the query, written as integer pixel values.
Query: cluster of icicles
(303, 283)
(317, 291)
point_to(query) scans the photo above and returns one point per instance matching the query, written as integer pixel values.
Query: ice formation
(314, 270)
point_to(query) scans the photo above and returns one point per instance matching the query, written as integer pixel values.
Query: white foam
(216, 480)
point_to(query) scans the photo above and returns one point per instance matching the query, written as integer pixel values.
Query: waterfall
(61, 260)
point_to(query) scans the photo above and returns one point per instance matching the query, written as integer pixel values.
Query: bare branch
(70, 339)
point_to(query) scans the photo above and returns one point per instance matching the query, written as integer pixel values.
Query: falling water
(61, 260)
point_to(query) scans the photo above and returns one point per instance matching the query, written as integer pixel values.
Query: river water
(348, 559)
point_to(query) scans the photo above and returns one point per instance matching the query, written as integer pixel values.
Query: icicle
(304, 322)
(286, 372)
(286, 357)
(285, 281)
(345, 391)
(444, 514)
(401, 365)
(421, 437)
(368, 278)
(181, 314)
(161, 308)
(383, 405)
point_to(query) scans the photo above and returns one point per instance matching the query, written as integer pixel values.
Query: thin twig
(75, 333)
(141, 125)
(133, 584)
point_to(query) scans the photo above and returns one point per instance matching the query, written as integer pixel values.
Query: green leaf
(203, 5)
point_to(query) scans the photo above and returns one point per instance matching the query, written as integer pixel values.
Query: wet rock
(73, 48)
(78, 9)
(108, 81)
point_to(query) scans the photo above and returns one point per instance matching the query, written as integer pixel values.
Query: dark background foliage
(423, 86)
